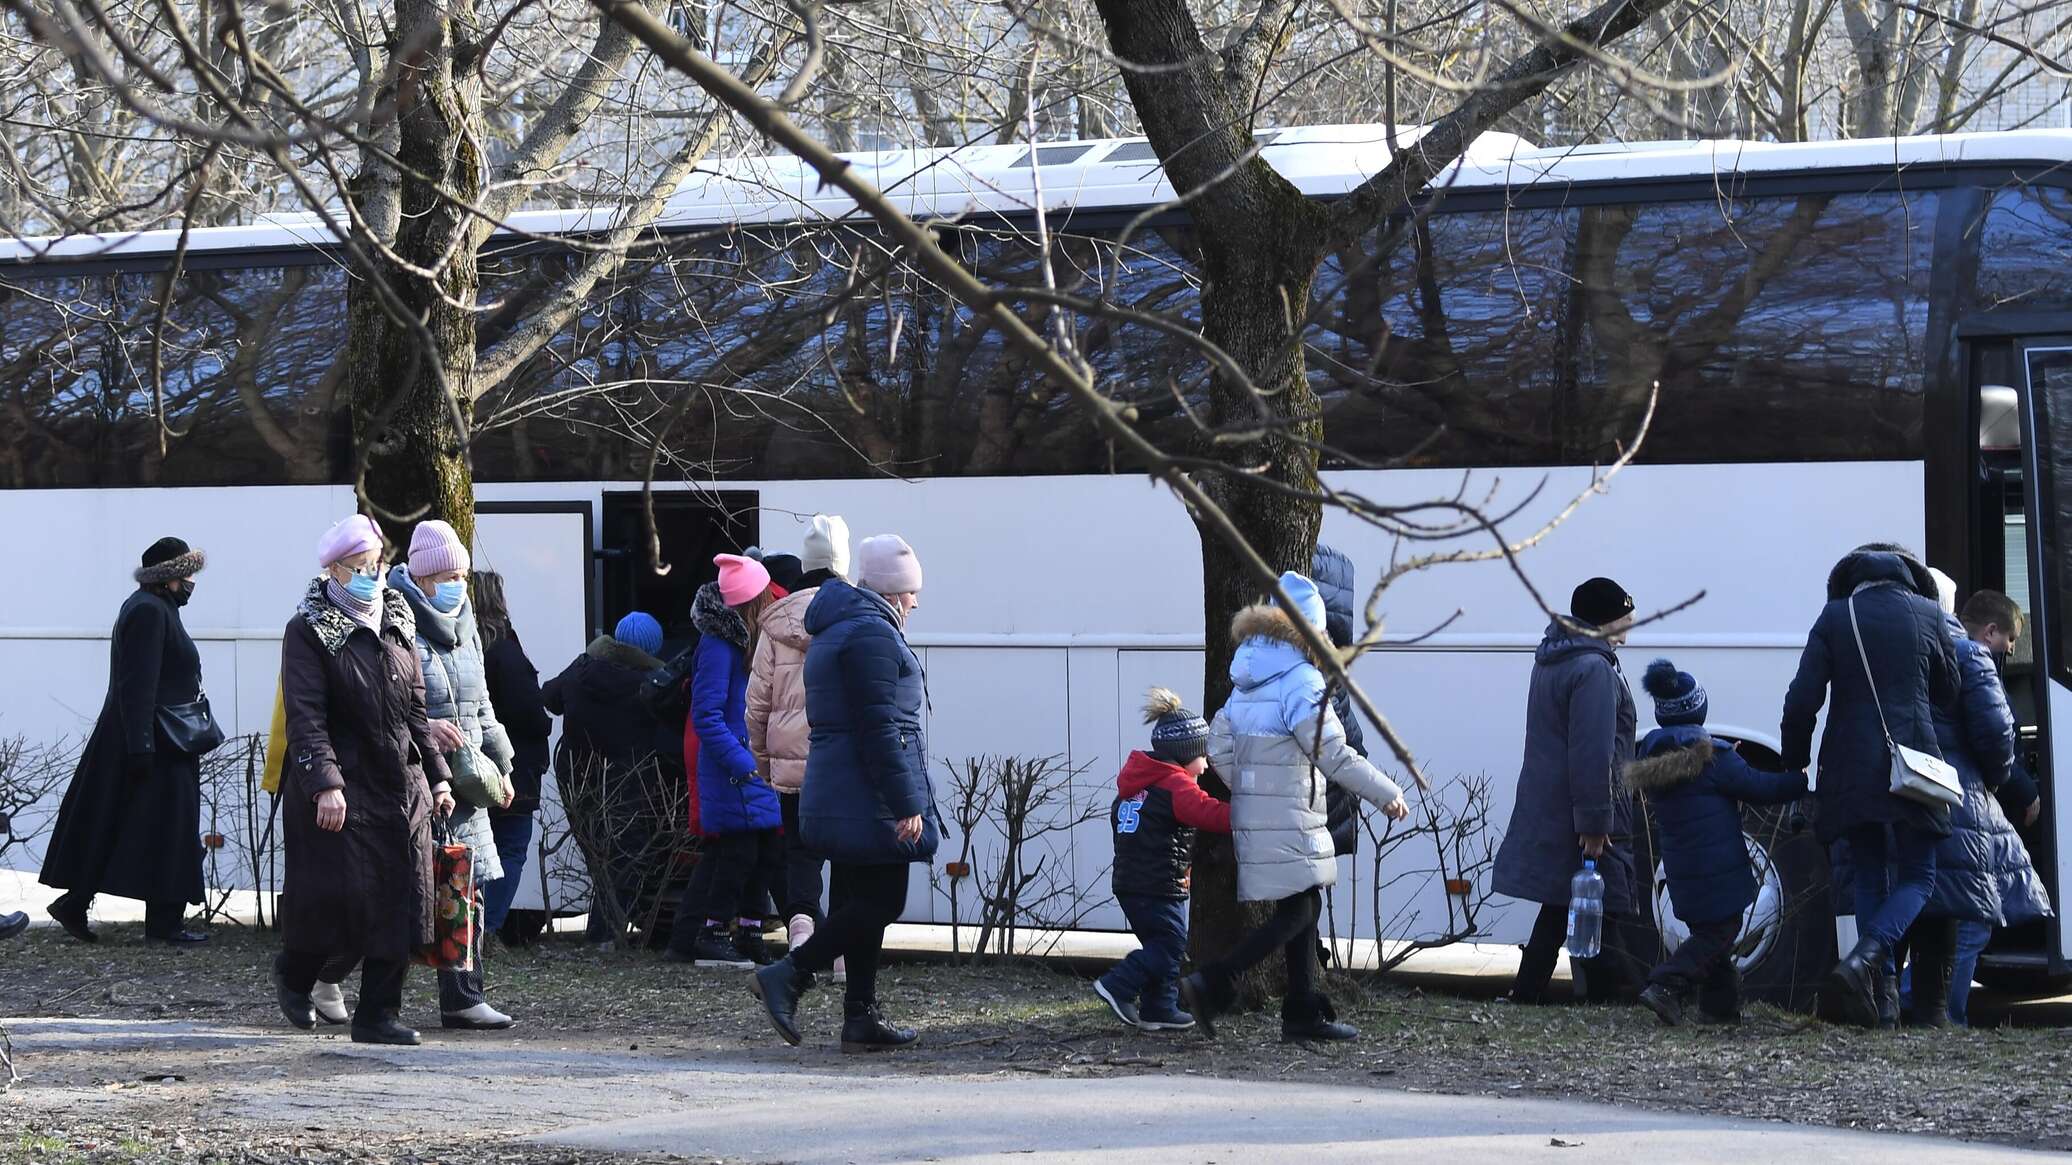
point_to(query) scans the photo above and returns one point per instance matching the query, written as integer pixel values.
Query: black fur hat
(166, 560)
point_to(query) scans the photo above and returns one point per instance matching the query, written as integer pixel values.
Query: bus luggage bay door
(2047, 445)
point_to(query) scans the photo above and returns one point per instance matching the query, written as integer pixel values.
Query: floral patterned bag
(456, 906)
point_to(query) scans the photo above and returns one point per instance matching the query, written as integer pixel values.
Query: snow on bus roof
(978, 183)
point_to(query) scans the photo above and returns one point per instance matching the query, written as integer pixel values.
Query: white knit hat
(827, 545)
(886, 564)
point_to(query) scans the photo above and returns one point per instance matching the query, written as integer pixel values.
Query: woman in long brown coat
(364, 774)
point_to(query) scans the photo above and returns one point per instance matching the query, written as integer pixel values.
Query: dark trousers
(866, 900)
(732, 879)
(1152, 973)
(1895, 877)
(1603, 979)
(802, 883)
(161, 919)
(458, 990)
(1704, 965)
(513, 839)
(381, 982)
(1290, 929)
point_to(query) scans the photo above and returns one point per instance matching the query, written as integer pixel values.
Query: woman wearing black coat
(130, 824)
(514, 690)
(1915, 668)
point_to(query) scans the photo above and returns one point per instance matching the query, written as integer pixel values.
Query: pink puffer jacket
(777, 731)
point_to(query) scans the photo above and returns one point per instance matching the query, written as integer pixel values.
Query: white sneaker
(329, 1000)
(798, 930)
(480, 1017)
(840, 974)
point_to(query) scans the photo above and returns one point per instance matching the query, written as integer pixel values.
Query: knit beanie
(1309, 601)
(1177, 734)
(785, 571)
(741, 579)
(886, 564)
(1600, 602)
(639, 629)
(827, 545)
(350, 535)
(436, 549)
(1678, 698)
(166, 560)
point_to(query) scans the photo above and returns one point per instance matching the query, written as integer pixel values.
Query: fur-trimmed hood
(334, 626)
(178, 566)
(1266, 621)
(1859, 567)
(1678, 764)
(711, 616)
(605, 649)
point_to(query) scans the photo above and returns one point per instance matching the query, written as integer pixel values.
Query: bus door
(2035, 488)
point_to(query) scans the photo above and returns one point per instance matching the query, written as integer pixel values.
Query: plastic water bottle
(1586, 912)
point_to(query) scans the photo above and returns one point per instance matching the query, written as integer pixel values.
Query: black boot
(71, 914)
(780, 986)
(384, 1031)
(866, 1031)
(1198, 996)
(749, 944)
(1314, 1018)
(1857, 983)
(1667, 1005)
(14, 923)
(1935, 949)
(297, 1006)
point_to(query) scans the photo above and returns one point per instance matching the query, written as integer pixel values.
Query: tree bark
(411, 358)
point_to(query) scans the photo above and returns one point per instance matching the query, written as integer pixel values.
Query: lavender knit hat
(436, 549)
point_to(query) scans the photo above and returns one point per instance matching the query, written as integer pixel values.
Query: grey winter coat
(456, 688)
(1916, 666)
(1982, 870)
(1579, 722)
(1278, 745)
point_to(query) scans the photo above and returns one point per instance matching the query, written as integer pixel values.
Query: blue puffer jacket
(1696, 787)
(1982, 870)
(1916, 666)
(732, 796)
(867, 768)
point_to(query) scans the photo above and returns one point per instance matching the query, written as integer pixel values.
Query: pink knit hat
(436, 549)
(346, 537)
(741, 580)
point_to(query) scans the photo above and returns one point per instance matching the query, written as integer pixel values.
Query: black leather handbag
(191, 728)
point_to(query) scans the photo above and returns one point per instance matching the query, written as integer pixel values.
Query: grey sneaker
(1124, 1010)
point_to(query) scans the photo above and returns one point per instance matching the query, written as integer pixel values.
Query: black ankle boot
(1313, 1019)
(384, 1030)
(780, 986)
(1857, 983)
(296, 1006)
(1199, 996)
(1935, 949)
(866, 1031)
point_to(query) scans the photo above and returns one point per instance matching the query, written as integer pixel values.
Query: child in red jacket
(1158, 807)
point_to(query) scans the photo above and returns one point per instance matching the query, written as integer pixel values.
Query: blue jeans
(1895, 877)
(513, 839)
(1153, 971)
(1972, 938)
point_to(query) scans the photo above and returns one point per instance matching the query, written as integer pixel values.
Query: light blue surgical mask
(447, 595)
(364, 585)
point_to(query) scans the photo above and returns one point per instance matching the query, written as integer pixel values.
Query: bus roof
(980, 182)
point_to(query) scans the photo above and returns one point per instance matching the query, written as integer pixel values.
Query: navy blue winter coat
(732, 796)
(1579, 724)
(1916, 665)
(867, 768)
(1335, 579)
(1982, 870)
(1696, 787)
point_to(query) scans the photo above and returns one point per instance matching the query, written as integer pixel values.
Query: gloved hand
(137, 766)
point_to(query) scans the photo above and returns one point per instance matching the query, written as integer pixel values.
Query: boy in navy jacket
(1158, 807)
(1696, 786)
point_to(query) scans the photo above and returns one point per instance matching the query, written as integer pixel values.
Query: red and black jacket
(1158, 807)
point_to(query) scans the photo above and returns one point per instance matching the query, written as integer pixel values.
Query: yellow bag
(276, 744)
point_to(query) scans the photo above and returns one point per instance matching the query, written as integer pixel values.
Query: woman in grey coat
(457, 704)
(1571, 804)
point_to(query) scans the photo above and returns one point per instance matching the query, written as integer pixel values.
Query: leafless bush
(30, 776)
(1014, 817)
(630, 826)
(238, 827)
(1453, 824)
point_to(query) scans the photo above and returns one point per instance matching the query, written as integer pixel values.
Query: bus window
(2050, 390)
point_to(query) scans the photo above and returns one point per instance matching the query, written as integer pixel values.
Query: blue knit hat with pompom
(1678, 698)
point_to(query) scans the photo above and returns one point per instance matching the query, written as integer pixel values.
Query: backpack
(666, 694)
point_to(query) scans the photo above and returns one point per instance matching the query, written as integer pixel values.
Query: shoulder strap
(1861, 654)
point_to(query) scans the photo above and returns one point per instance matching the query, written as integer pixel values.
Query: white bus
(1834, 326)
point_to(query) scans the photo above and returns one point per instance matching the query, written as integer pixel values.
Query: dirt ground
(160, 1104)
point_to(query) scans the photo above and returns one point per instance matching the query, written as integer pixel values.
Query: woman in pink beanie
(743, 854)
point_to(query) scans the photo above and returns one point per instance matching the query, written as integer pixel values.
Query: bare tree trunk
(411, 423)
